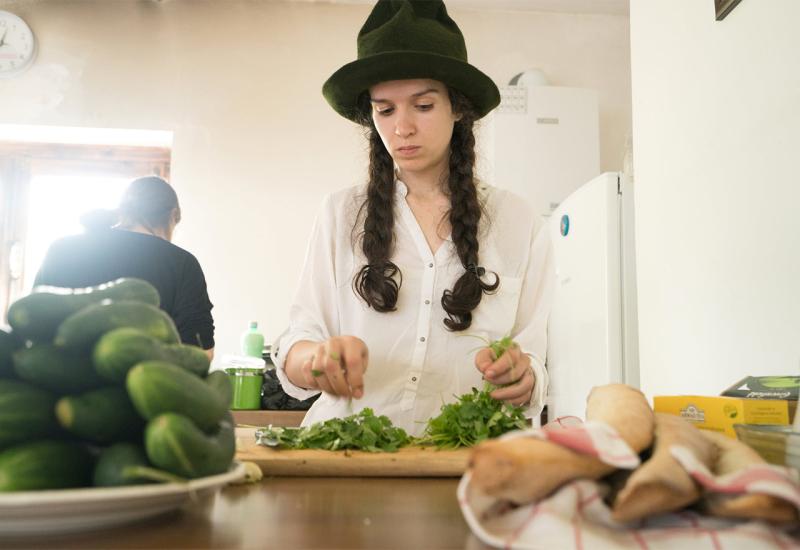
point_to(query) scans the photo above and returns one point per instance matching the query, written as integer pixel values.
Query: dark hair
(148, 201)
(378, 282)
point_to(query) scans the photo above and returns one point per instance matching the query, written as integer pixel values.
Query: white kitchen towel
(576, 516)
(596, 439)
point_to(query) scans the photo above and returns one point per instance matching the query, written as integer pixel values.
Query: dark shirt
(99, 256)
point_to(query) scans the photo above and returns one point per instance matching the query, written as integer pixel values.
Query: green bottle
(253, 341)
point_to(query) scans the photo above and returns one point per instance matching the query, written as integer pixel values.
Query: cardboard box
(721, 413)
(768, 387)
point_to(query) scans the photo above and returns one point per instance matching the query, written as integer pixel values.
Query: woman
(401, 272)
(138, 246)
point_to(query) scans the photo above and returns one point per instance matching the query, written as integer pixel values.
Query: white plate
(72, 510)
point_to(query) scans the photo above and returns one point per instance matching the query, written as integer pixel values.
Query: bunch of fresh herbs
(362, 431)
(474, 417)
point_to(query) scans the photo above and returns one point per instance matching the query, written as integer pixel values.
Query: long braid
(465, 215)
(378, 282)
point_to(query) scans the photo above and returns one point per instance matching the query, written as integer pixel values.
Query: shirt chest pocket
(495, 315)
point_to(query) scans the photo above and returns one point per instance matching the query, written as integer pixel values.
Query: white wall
(716, 125)
(255, 145)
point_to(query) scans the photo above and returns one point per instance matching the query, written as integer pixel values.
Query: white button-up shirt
(416, 364)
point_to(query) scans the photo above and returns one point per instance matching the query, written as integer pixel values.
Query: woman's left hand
(511, 370)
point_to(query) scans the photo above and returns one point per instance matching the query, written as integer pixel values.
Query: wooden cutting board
(407, 462)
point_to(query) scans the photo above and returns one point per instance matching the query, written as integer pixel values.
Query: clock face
(17, 45)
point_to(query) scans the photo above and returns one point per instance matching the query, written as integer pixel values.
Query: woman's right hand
(337, 366)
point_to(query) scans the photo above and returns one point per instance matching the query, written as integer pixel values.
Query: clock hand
(3, 38)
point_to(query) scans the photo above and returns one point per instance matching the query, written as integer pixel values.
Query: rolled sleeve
(539, 394)
(280, 348)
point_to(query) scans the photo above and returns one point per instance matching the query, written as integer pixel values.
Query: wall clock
(17, 45)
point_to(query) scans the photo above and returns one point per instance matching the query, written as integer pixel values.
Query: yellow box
(721, 413)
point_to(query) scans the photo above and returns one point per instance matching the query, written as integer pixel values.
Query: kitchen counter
(295, 513)
(265, 418)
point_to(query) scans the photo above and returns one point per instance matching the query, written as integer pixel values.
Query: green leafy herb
(475, 416)
(363, 431)
(499, 347)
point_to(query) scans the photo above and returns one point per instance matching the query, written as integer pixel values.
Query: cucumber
(56, 369)
(157, 387)
(191, 358)
(222, 385)
(104, 416)
(26, 413)
(45, 465)
(81, 330)
(120, 349)
(120, 464)
(37, 315)
(175, 444)
(8, 345)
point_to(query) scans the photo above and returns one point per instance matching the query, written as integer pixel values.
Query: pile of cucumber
(97, 390)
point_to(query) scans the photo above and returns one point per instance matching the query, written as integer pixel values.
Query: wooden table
(295, 513)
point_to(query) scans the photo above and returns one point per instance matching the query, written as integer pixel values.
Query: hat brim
(344, 87)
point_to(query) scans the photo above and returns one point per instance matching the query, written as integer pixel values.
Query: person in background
(135, 241)
(400, 272)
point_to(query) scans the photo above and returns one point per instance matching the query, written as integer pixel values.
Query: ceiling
(607, 7)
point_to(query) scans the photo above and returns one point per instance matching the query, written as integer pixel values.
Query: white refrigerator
(544, 145)
(592, 333)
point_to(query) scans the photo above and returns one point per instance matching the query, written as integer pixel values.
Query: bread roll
(734, 456)
(661, 484)
(526, 469)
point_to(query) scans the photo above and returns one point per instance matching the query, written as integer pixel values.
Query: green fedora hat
(405, 39)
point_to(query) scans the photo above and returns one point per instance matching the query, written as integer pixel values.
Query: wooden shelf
(265, 418)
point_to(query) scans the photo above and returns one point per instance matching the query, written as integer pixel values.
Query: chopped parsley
(362, 431)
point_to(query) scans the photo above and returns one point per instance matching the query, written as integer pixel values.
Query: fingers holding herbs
(503, 364)
(518, 392)
(337, 367)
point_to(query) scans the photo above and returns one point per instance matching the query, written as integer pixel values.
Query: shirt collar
(400, 188)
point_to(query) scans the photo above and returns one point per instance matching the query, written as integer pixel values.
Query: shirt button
(421, 338)
(413, 378)
(430, 265)
(427, 302)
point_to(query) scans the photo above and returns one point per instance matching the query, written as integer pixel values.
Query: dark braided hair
(378, 281)
(465, 216)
